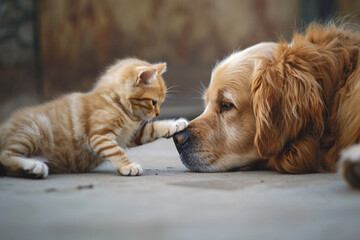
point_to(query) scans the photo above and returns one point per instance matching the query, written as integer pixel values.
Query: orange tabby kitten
(79, 131)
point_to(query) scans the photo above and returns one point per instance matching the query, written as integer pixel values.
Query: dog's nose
(180, 138)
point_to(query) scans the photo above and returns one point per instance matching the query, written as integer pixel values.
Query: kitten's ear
(146, 76)
(161, 67)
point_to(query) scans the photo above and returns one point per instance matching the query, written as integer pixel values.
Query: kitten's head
(135, 86)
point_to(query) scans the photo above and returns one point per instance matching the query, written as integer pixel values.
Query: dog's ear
(288, 106)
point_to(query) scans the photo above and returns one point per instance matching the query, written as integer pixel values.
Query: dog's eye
(226, 106)
(154, 102)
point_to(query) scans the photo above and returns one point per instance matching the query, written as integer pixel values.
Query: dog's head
(270, 102)
(222, 137)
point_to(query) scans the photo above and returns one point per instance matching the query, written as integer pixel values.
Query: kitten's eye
(226, 106)
(154, 102)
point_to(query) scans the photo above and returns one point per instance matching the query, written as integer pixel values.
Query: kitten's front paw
(177, 126)
(133, 169)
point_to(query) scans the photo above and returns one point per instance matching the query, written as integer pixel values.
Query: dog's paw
(35, 169)
(177, 126)
(349, 165)
(133, 169)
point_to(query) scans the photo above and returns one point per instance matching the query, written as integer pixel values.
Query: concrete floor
(169, 203)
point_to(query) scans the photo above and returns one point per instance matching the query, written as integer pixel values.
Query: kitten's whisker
(174, 86)
(169, 95)
(172, 91)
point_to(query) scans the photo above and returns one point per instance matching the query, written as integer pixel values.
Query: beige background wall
(73, 41)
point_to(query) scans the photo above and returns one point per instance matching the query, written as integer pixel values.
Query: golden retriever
(289, 107)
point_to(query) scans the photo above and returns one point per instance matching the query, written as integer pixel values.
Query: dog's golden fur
(290, 107)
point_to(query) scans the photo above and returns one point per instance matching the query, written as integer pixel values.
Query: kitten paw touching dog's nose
(167, 128)
(177, 126)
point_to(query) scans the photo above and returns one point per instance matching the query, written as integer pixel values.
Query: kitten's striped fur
(79, 131)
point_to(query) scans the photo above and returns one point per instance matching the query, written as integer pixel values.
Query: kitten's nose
(180, 138)
(157, 111)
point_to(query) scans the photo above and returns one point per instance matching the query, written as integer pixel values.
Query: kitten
(79, 131)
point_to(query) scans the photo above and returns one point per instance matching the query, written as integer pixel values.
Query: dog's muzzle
(180, 140)
(188, 146)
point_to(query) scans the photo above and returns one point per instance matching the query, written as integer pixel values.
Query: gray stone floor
(168, 202)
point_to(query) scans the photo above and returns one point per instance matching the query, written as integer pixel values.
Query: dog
(289, 107)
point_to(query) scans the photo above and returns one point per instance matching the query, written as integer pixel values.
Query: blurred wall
(18, 74)
(73, 41)
(79, 38)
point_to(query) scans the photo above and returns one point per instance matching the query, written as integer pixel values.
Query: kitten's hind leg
(17, 166)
